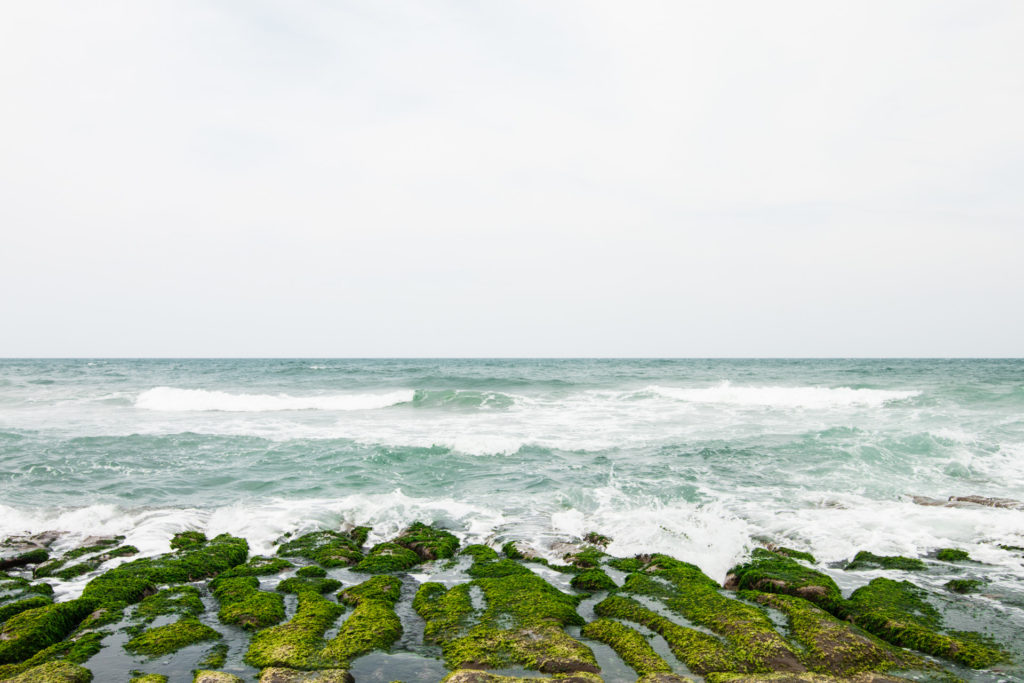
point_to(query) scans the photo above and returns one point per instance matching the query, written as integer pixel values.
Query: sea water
(702, 459)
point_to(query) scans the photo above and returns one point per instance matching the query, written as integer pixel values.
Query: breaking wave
(187, 400)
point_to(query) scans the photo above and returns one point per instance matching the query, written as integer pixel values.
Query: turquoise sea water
(703, 459)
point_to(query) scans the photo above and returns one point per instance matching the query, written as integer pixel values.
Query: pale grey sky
(529, 178)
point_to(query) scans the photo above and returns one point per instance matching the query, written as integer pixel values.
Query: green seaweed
(521, 625)
(594, 538)
(953, 555)
(512, 552)
(897, 612)
(497, 568)
(242, 603)
(132, 581)
(773, 573)
(387, 557)
(54, 672)
(8, 610)
(170, 638)
(298, 642)
(302, 584)
(329, 548)
(28, 632)
(373, 625)
(480, 552)
(632, 647)
(696, 596)
(592, 581)
(427, 542)
(215, 657)
(701, 652)
(186, 540)
(964, 586)
(256, 566)
(312, 571)
(181, 600)
(867, 560)
(35, 556)
(830, 645)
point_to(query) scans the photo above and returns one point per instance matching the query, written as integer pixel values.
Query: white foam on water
(835, 526)
(783, 397)
(188, 400)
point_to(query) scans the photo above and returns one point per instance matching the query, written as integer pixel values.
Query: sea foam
(783, 397)
(185, 400)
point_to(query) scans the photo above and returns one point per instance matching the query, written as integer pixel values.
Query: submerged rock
(279, 675)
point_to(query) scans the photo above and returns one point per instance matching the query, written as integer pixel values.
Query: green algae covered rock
(521, 625)
(964, 586)
(329, 548)
(185, 540)
(418, 543)
(244, 604)
(256, 566)
(169, 638)
(496, 568)
(11, 608)
(701, 652)
(867, 560)
(897, 612)
(35, 556)
(149, 678)
(54, 672)
(280, 675)
(480, 552)
(373, 625)
(592, 581)
(388, 557)
(207, 676)
(773, 573)
(132, 581)
(864, 677)
(181, 600)
(627, 642)
(830, 645)
(478, 676)
(953, 555)
(299, 584)
(297, 643)
(686, 590)
(28, 632)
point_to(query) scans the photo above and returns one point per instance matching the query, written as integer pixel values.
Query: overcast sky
(546, 178)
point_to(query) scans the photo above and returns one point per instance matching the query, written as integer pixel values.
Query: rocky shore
(422, 607)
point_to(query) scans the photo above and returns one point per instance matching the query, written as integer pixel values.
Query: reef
(311, 613)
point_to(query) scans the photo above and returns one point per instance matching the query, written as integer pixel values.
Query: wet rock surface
(331, 609)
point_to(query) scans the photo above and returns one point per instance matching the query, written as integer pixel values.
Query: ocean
(701, 459)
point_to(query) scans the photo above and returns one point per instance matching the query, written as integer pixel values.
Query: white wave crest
(783, 397)
(186, 400)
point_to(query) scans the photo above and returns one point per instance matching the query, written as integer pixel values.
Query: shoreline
(423, 606)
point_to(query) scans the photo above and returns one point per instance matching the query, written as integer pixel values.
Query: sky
(530, 178)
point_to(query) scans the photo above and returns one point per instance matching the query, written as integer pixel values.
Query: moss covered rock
(170, 638)
(953, 555)
(296, 644)
(54, 672)
(207, 676)
(280, 675)
(521, 625)
(28, 632)
(701, 652)
(180, 600)
(242, 603)
(592, 581)
(329, 548)
(867, 560)
(897, 612)
(373, 625)
(770, 572)
(685, 589)
(627, 642)
(830, 645)
(256, 566)
(132, 581)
